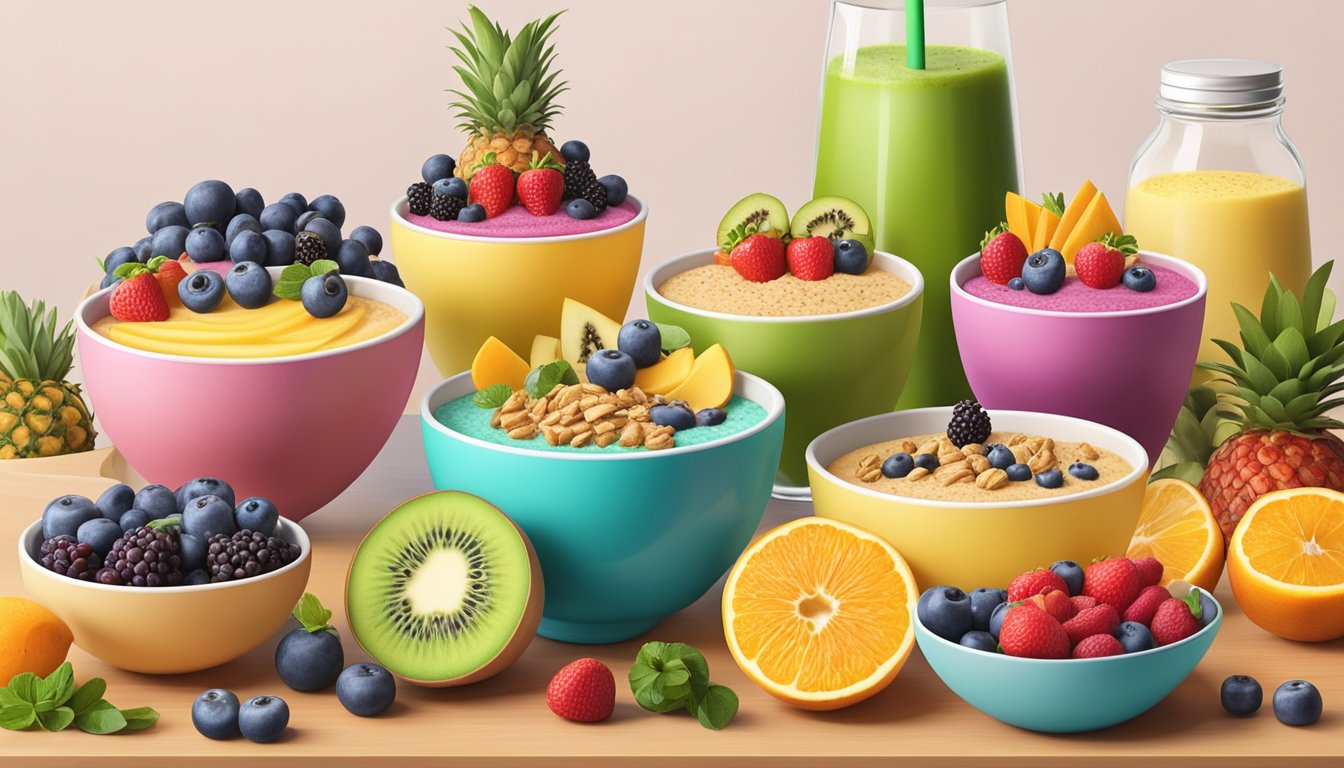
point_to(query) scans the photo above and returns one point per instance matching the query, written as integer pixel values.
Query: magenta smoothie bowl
(1115, 356)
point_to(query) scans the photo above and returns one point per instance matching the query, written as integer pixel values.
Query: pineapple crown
(31, 347)
(510, 84)
(1286, 373)
(1205, 421)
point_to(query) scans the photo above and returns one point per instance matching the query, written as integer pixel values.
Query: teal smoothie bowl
(832, 368)
(1065, 695)
(624, 538)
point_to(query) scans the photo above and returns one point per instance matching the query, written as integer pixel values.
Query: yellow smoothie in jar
(1236, 226)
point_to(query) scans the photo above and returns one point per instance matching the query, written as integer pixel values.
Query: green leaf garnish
(89, 694)
(131, 269)
(718, 708)
(57, 687)
(492, 396)
(674, 337)
(139, 718)
(292, 278)
(542, 379)
(667, 677)
(310, 613)
(1126, 244)
(57, 719)
(323, 266)
(17, 717)
(54, 704)
(102, 719)
(1053, 203)
(156, 262)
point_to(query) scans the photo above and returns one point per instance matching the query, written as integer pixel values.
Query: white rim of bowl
(969, 268)
(401, 298)
(299, 536)
(399, 212)
(884, 261)
(741, 381)
(1138, 460)
(1217, 620)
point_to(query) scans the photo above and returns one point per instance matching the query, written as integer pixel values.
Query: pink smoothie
(1172, 287)
(517, 222)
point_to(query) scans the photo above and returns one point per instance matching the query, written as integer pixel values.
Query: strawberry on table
(759, 258)
(811, 258)
(492, 186)
(1002, 255)
(1114, 582)
(1031, 633)
(583, 691)
(541, 186)
(138, 297)
(1102, 264)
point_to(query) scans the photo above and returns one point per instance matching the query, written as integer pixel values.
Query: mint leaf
(492, 396)
(669, 676)
(139, 718)
(57, 719)
(695, 663)
(16, 717)
(289, 289)
(8, 699)
(89, 694)
(323, 266)
(541, 380)
(299, 272)
(102, 719)
(310, 613)
(25, 686)
(674, 337)
(59, 686)
(718, 707)
(290, 284)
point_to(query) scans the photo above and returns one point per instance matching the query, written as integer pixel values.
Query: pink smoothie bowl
(297, 430)
(1126, 369)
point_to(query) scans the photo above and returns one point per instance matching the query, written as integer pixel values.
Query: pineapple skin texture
(514, 150)
(43, 418)
(1254, 463)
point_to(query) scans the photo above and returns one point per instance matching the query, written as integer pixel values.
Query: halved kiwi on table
(444, 590)
(757, 212)
(835, 218)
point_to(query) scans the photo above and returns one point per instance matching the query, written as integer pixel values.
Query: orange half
(818, 613)
(1179, 529)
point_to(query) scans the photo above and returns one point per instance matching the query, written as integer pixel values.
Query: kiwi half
(583, 331)
(833, 217)
(757, 212)
(444, 590)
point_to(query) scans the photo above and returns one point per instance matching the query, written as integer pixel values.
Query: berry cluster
(1103, 264)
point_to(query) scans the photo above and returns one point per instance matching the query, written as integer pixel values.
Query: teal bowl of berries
(1076, 693)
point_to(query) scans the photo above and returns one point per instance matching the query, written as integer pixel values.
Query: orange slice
(1286, 563)
(818, 613)
(1179, 529)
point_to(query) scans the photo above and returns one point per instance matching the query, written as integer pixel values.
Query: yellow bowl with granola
(1036, 489)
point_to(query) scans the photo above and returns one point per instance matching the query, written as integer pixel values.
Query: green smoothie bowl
(625, 536)
(832, 368)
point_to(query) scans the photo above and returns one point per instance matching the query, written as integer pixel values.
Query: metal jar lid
(1221, 85)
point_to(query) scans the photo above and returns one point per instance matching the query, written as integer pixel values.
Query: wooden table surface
(504, 721)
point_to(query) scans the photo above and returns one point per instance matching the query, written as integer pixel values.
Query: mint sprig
(54, 704)
(674, 337)
(310, 613)
(667, 677)
(492, 396)
(542, 379)
(1053, 203)
(292, 278)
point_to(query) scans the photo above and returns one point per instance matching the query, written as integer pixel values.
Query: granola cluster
(579, 414)
(969, 463)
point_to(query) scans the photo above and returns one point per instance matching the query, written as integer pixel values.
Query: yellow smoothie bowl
(511, 288)
(983, 544)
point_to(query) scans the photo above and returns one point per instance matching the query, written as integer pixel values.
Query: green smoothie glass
(928, 153)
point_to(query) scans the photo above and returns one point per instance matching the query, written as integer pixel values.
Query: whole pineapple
(1284, 379)
(509, 100)
(41, 414)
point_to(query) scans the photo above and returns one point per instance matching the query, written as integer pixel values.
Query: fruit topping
(583, 691)
(617, 188)
(810, 258)
(1017, 284)
(759, 258)
(1096, 647)
(437, 167)
(542, 185)
(138, 298)
(1050, 478)
(851, 256)
(983, 602)
(144, 557)
(447, 207)
(642, 341)
(832, 217)
(898, 465)
(710, 417)
(245, 554)
(970, 424)
(1100, 619)
(1134, 637)
(1018, 472)
(611, 369)
(757, 213)
(202, 291)
(420, 196)
(248, 284)
(1140, 278)
(678, 417)
(66, 556)
(1031, 633)
(1083, 471)
(1002, 255)
(926, 461)
(1114, 581)
(1043, 272)
(1071, 572)
(1174, 620)
(1036, 582)
(1101, 264)
(324, 295)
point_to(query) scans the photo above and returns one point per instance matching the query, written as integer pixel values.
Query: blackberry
(970, 424)
(596, 194)
(309, 247)
(63, 555)
(421, 196)
(446, 207)
(145, 557)
(578, 176)
(246, 554)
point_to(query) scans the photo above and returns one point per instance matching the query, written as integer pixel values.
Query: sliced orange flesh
(1179, 529)
(1299, 540)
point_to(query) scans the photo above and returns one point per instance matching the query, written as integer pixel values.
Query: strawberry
(138, 298)
(1002, 255)
(1097, 646)
(541, 186)
(1082, 603)
(811, 258)
(1145, 605)
(169, 273)
(1035, 582)
(1150, 571)
(759, 258)
(1097, 620)
(492, 186)
(1102, 264)
(583, 691)
(1174, 621)
(722, 259)
(1055, 602)
(1032, 633)
(1114, 582)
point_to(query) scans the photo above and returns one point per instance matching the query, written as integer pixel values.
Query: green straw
(914, 34)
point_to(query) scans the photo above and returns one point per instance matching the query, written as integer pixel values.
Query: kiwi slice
(444, 590)
(583, 331)
(833, 217)
(757, 212)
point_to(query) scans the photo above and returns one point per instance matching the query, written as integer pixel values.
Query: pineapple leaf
(1325, 339)
(1269, 314)
(1312, 296)
(1286, 390)
(1327, 308)
(1274, 409)
(1290, 313)
(1254, 336)
(1261, 377)
(1293, 346)
(1200, 400)
(1232, 350)
(1300, 408)
(1191, 472)
(1277, 364)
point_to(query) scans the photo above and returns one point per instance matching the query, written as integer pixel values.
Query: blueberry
(116, 501)
(1050, 478)
(366, 689)
(324, 295)
(108, 280)
(165, 214)
(204, 244)
(1018, 472)
(617, 189)
(1241, 695)
(926, 460)
(257, 514)
(171, 241)
(642, 341)
(134, 518)
(99, 533)
(983, 602)
(296, 201)
(328, 231)
(202, 290)
(249, 201)
(980, 640)
(249, 283)
(263, 719)
(206, 516)
(1297, 702)
(579, 208)
(278, 216)
(191, 550)
(203, 486)
(946, 612)
(196, 578)
(309, 661)
(353, 259)
(851, 257)
(471, 213)
(437, 167)
(243, 222)
(674, 416)
(612, 369)
(1083, 471)
(574, 151)
(1140, 278)
(369, 237)
(249, 247)
(215, 714)
(117, 257)
(210, 202)
(996, 618)
(143, 250)
(1071, 572)
(710, 417)
(1017, 284)
(1207, 608)
(279, 247)
(1134, 637)
(330, 207)
(1000, 457)
(386, 271)
(452, 187)
(1044, 271)
(898, 465)
(303, 219)
(157, 500)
